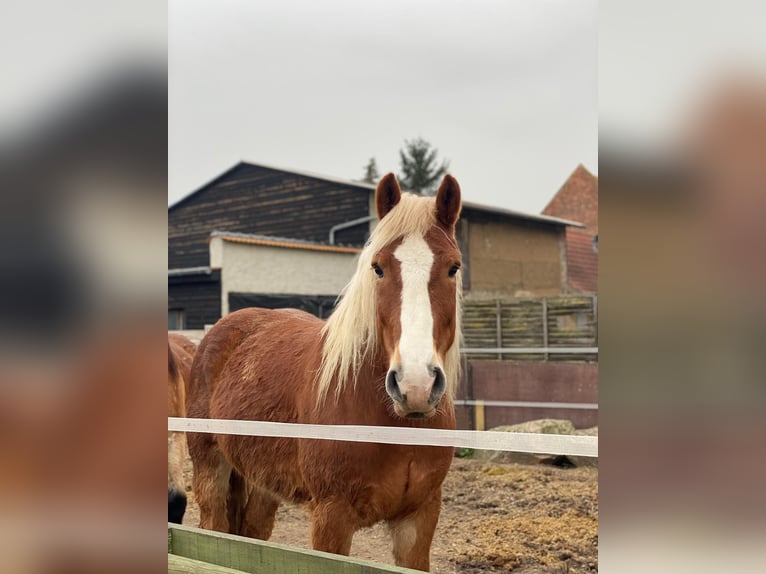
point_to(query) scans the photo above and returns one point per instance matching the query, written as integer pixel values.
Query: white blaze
(416, 345)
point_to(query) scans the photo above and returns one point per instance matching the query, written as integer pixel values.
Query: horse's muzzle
(416, 398)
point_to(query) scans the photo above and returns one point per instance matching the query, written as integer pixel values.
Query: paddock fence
(522, 359)
(572, 445)
(202, 551)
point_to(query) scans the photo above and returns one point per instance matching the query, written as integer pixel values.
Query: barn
(274, 237)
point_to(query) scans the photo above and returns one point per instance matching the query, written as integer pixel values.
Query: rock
(540, 426)
(592, 431)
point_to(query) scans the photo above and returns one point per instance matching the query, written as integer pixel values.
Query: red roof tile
(582, 261)
(287, 243)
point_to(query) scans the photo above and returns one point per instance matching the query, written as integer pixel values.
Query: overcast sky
(658, 60)
(506, 90)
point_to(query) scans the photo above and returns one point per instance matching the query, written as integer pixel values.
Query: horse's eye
(378, 270)
(453, 270)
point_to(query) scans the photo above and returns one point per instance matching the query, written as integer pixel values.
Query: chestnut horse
(180, 356)
(388, 355)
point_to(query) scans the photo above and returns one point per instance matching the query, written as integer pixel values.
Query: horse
(180, 356)
(388, 355)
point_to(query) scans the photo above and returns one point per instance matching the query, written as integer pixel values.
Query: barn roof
(368, 187)
(270, 241)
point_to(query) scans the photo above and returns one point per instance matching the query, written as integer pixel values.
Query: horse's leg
(260, 513)
(210, 481)
(333, 523)
(236, 502)
(413, 534)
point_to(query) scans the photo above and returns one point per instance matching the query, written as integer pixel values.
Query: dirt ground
(526, 519)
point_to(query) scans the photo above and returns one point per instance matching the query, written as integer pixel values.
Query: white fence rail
(481, 440)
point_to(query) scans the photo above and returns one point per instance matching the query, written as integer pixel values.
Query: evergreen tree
(371, 174)
(420, 171)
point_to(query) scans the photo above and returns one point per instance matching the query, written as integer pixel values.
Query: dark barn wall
(528, 381)
(318, 305)
(254, 199)
(199, 296)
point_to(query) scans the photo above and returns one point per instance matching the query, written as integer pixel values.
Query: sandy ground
(526, 519)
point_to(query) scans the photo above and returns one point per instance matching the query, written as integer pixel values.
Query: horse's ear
(448, 202)
(387, 195)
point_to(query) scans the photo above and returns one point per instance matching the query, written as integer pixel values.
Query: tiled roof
(582, 261)
(577, 199)
(269, 241)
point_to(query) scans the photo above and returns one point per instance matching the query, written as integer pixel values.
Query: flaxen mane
(350, 332)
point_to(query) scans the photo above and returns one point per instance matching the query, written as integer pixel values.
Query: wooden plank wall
(199, 296)
(528, 381)
(254, 199)
(566, 321)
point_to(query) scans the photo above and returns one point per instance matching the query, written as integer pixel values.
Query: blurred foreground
(682, 332)
(83, 134)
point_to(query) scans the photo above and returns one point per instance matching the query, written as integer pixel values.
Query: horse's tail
(176, 442)
(172, 367)
(236, 502)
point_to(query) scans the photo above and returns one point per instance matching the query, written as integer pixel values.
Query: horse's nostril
(392, 386)
(439, 386)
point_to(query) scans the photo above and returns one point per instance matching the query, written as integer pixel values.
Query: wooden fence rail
(193, 550)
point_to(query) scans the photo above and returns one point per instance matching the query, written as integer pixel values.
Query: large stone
(540, 426)
(592, 431)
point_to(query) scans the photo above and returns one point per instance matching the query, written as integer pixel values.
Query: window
(175, 319)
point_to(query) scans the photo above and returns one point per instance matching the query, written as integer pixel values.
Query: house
(274, 237)
(578, 200)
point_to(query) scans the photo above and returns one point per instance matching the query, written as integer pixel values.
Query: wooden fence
(494, 393)
(566, 321)
(192, 550)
